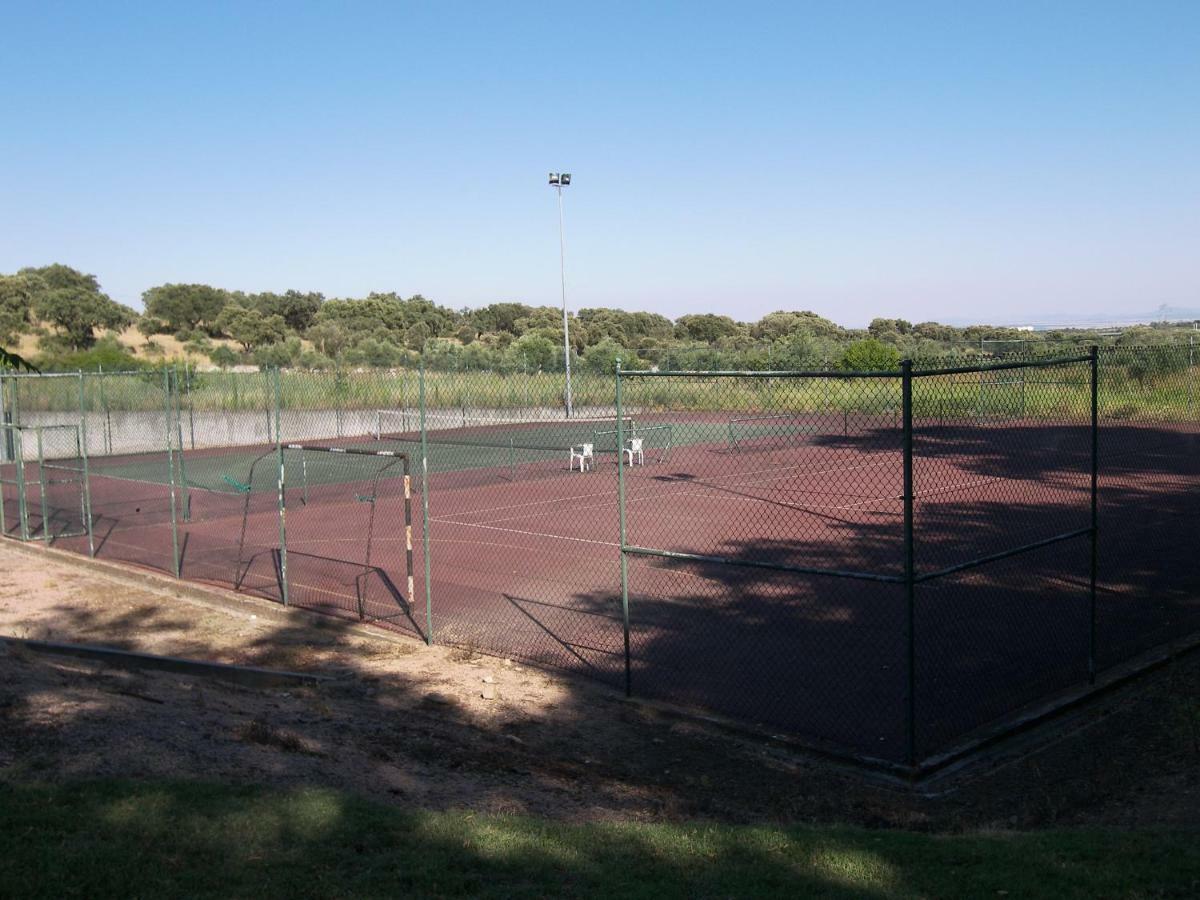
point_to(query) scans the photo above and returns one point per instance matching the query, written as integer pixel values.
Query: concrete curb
(247, 676)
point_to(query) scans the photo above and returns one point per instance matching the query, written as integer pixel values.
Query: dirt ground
(443, 728)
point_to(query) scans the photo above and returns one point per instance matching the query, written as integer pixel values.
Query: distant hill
(1055, 321)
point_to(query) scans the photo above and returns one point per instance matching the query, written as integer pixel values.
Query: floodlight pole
(558, 181)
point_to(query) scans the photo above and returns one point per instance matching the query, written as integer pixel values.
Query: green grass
(110, 839)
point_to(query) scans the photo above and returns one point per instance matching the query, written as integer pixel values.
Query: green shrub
(224, 357)
(107, 353)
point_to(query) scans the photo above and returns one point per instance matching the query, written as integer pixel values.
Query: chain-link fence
(885, 564)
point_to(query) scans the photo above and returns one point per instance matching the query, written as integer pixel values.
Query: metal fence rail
(884, 564)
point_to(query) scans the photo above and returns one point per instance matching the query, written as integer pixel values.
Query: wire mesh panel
(993, 633)
(1149, 477)
(57, 502)
(765, 554)
(522, 520)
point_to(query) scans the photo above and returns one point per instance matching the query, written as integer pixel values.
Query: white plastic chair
(584, 454)
(633, 450)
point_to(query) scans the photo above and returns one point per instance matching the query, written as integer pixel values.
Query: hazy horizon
(928, 163)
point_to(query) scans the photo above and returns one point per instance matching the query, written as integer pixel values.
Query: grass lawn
(105, 839)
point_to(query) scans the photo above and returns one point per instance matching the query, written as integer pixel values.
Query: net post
(87, 481)
(425, 503)
(909, 568)
(171, 472)
(1094, 353)
(282, 482)
(410, 585)
(621, 521)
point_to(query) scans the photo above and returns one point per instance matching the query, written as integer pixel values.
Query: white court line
(541, 534)
(715, 492)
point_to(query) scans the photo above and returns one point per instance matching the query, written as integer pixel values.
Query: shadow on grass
(176, 839)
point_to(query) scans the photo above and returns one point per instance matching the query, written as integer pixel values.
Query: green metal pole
(22, 500)
(282, 482)
(425, 506)
(41, 463)
(106, 431)
(177, 415)
(1095, 367)
(1191, 375)
(171, 473)
(6, 452)
(909, 564)
(621, 518)
(191, 404)
(87, 481)
(268, 404)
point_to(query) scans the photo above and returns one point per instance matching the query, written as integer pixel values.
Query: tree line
(75, 320)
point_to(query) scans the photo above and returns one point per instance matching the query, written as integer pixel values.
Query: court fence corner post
(425, 504)
(1093, 563)
(284, 592)
(624, 559)
(85, 473)
(167, 407)
(909, 568)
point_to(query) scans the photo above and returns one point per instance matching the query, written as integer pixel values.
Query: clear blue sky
(924, 160)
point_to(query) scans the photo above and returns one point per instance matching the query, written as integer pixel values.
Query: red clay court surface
(529, 568)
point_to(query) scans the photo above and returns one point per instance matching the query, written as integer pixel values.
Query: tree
(185, 307)
(74, 304)
(500, 317)
(602, 358)
(704, 327)
(416, 337)
(298, 309)
(78, 313)
(329, 338)
(534, 352)
(250, 328)
(16, 305)
(869, 355)
(779, 325)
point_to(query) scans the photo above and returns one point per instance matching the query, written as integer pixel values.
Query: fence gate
(44, 483)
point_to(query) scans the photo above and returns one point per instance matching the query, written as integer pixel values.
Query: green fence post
(1095, 368)
(425, 506)
(171, 472)
(106, 430)
(22, 500)
(621, 521)
(1191, 389)
(41, 464)
(909, 567)
(6, 452)
(87, 479)
(177, 415)
(282, 483)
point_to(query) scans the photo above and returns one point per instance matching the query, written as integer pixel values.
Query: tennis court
(881, 570)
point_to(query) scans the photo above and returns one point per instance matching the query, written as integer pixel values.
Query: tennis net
(601, 433)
